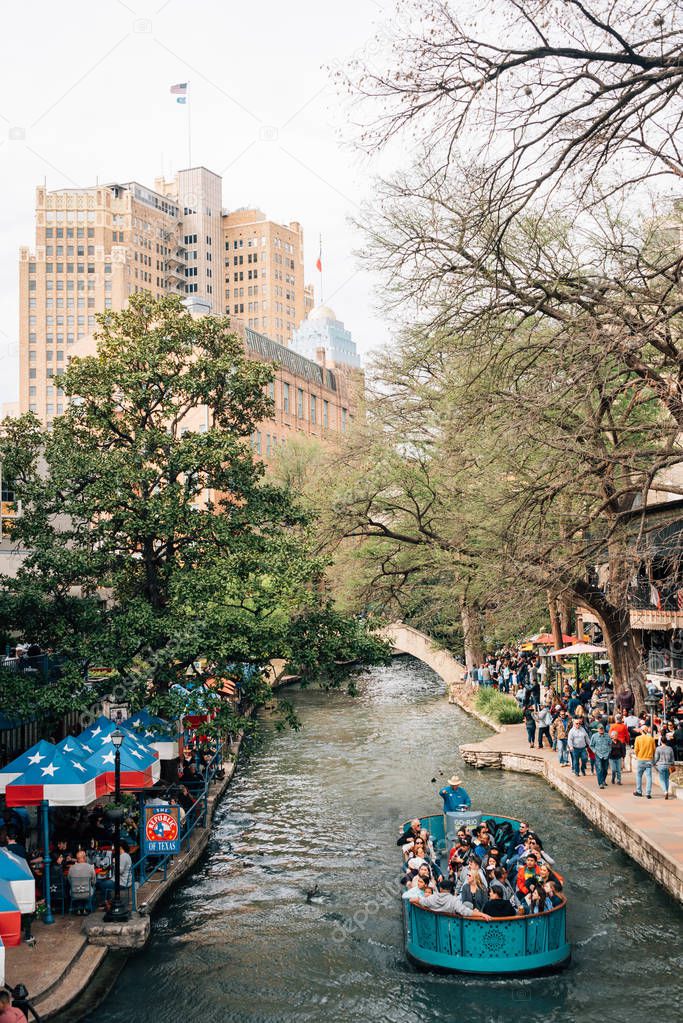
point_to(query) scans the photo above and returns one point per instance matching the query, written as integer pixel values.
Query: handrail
(494, 919)
(195, 816)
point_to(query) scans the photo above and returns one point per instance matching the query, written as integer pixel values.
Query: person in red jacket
(525, 871)
(618, 733)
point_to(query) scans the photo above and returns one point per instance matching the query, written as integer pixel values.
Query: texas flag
(180, 92)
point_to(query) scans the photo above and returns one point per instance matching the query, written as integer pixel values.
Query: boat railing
(503, 944)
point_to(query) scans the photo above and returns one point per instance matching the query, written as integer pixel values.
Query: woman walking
(664, 762)
(529, 716)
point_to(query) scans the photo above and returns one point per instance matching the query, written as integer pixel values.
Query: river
(248, 939)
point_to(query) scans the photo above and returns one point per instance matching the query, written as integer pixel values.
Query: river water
(247, 938)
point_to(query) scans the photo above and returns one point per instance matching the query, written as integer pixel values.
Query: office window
(32, 374)
(300, 403)
(285, 397)
(314, 410)
(268, 444)
(326, 413)
(271, 390)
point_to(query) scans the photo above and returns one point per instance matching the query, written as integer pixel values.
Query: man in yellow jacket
(644, 750)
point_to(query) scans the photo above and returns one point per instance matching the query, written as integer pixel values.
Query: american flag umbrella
(161, 735)
(76, 750)
(97, 732)
(60, 779)
(38, 754)
(139, 765)
(16, 871)
(76, 747)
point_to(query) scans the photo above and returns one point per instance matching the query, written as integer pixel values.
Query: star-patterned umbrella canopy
(61, 779)
(75, 748)
(97, 733)
(38, 754)
(139, 764)
(161, 735)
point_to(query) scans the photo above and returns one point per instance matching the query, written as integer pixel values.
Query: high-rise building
(95, 246)
(321, 331)
(264, 273)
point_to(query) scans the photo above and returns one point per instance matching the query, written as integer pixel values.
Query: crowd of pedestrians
(590, 729)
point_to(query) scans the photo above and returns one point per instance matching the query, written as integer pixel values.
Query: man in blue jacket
(454, 795)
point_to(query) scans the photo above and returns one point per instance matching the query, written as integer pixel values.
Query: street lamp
(652, 705)
(118, 912)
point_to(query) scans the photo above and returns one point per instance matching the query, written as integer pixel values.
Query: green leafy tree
(154, 539)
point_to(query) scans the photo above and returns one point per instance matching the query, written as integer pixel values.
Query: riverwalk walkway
(649, 830)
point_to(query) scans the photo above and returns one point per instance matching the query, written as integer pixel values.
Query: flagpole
(189, 129)
(320, 264)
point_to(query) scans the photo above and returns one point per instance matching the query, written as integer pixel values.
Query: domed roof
(322, 312)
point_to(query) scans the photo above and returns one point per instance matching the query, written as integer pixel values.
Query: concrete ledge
(132, 934)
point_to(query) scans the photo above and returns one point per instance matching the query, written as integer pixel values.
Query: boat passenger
(474, 889)
(498, 905)
(412, 832)
(527, 872)
(454, 795)
(546, 874)
(445, 902)
(550, 888)
(535, 901)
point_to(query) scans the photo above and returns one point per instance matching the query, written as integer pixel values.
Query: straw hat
(455, 781)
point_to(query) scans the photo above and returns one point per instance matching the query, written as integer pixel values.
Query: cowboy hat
(455, 781)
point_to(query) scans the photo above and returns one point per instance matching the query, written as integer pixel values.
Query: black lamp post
(118, 912)
(652, 706)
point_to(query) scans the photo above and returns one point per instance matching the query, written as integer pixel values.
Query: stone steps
(75, 978)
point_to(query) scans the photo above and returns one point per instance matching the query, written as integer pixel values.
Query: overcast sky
(86, 95)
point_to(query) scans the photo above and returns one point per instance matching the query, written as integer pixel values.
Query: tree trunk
(472, 635)
(622, 647)
(565, 605)
(625, 655)
(579, 626)
(555, 624)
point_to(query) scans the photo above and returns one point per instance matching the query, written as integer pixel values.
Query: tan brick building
(264, 273)
(96, 246)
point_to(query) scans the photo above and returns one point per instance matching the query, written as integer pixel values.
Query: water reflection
(250, 937)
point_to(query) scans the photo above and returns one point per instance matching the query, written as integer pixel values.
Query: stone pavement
(649, 830)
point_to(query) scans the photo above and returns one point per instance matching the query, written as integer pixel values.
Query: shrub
(498, 706)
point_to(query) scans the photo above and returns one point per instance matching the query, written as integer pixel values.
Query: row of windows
(70, 216)
(58, 232)
(58, 285)
(255, 442)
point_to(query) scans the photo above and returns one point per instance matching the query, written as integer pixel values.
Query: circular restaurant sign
(162, 827)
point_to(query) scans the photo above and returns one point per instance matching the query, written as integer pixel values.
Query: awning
(576, 649)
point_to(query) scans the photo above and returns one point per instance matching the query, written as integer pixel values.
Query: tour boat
(505, 946)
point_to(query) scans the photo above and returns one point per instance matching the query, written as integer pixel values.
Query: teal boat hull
(511, 946)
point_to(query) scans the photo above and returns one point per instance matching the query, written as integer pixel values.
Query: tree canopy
(156, 546)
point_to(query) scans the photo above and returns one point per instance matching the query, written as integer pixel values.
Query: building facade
(264, 273)
(322, 331)
(96, 246)
(309, 398)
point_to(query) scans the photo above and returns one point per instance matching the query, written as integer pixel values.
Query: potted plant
(115, 812)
